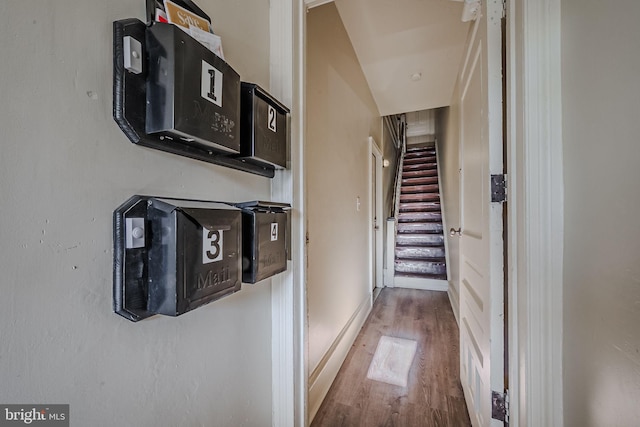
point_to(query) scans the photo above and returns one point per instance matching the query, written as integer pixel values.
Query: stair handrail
(401, 127)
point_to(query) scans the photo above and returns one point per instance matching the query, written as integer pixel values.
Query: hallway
(433, 396)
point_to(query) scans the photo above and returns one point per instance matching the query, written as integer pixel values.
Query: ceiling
(409, 50)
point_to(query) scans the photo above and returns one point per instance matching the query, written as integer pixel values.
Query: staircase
(420, 251)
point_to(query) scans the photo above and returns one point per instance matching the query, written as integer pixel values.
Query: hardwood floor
(433, 397)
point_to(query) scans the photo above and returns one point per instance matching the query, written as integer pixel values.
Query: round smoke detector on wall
(416, 76)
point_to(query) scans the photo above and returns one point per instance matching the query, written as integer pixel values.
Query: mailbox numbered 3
(172, 255)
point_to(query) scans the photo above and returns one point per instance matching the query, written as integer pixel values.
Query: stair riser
(427, 180)
(427, 173)
(420, 197)
(420, 239)
(425, 267)
(419, 252)
(421, 166)
(420, 151)
(420, 227)
(407, 189)
(419, 160)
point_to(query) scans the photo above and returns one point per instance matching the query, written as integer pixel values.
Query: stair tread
(424, 173)
(424, 180)
(419, 166)
(420, 245)
(423, 240)
(419, 216)
(420, 149)
(420, 267)
(431, 260)
(419, 225)
(418, 160)
(419, 197)
(419, 207)
(419, 233)
(422, 276)
(421, 188)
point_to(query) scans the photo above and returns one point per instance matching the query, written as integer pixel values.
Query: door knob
(455, 231)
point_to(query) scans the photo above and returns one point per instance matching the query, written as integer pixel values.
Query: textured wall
(601, 101)
(64, 167)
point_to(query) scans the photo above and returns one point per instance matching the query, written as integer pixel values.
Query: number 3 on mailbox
(212, 245)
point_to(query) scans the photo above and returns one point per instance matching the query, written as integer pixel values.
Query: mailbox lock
(134, 231)
(137, 232)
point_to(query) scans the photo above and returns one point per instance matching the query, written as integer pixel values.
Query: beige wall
(64, 167)
(448, 141)
(601, 103)
(341, 115)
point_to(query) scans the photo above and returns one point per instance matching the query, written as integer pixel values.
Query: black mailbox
(192, 94)
(264, 128)
(172, 256)
(264, 243)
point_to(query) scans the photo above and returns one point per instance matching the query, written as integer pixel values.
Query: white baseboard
(424, 284)
(388, 278)
(323, 376)
(455, 303)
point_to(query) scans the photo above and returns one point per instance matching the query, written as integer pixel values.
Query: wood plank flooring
(433, 397)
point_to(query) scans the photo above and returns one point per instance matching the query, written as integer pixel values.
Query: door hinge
(499, 188)
(500, 406)
(504, 8)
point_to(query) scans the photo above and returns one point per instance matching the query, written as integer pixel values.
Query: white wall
(388, 187)
(448, 140)
(601, 101)
(64, 167)
(341, 115)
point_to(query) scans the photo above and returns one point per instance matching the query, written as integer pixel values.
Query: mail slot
(172, 256)
(192, 94)
(264, 127)
(264, 242)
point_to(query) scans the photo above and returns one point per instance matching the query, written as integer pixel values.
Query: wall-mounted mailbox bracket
(130, 85)
(174, 255)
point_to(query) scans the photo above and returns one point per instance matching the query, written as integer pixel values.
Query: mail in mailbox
(192, 94)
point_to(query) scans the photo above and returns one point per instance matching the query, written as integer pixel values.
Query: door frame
(535, 212)
(534, 156)
(289, 358)
(375, 238)
(481, 246)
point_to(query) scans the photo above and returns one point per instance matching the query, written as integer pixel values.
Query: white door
(376, 214)
(481, 242)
